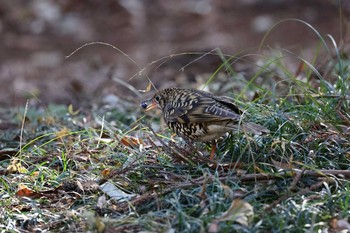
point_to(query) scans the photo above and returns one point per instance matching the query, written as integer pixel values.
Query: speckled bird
(197, 115)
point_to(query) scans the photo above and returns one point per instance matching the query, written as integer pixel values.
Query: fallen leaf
(35, 174)
(281, 166)
(16, 166)
(105, 173)
(24, 191)
(63, 132)
(131, 141)
(240, 212)
(114, 192)
(227, 191)
(101, 202)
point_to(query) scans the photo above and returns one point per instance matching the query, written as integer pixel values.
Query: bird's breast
(200, 132)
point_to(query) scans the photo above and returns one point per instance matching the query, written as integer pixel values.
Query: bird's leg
(213, 150)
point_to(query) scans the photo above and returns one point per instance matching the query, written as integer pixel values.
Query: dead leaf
(282, 143)
(16, 166)
(148, 88)
(131, 141)
(258, 169)
(71, 111)
(62, 133)
(282, 166)
(24, 191)
(101, 202)
(106, 172)
(35, 174)
(114, 192)
(227, 191)
(240, 212)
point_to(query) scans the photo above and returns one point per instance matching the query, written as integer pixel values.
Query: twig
(301, 192)
(127, 85)
(296, 179)
(324, 174)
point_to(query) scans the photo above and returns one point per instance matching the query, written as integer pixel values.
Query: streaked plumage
(199, 115)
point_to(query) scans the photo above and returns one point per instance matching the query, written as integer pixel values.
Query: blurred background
(38, 35)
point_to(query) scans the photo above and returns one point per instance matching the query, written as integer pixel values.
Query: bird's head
(158, 100)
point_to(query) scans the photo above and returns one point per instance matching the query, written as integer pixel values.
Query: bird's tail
(254, 128)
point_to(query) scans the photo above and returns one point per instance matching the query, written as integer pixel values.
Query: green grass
(285, 176)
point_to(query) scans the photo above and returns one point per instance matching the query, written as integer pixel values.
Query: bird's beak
(151, 106)
(148, 104)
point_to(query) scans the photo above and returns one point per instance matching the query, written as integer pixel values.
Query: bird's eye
(157, 98)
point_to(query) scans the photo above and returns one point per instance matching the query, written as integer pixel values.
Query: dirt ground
(36, 36)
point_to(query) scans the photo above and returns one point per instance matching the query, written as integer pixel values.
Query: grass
(294, 179)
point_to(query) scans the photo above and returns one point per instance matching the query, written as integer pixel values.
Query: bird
(200, 116)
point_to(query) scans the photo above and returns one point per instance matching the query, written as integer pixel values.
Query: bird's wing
(228, 103)
(179, 111)
(204, 108)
